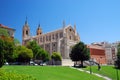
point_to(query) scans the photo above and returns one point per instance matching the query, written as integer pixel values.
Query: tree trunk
(81, 63)
(75, 63)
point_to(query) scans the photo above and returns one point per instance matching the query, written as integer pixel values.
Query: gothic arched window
(26, 32)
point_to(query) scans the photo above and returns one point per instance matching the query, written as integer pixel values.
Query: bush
(56, 56)
(13, 76)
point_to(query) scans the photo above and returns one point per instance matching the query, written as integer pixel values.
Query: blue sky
(96, 20)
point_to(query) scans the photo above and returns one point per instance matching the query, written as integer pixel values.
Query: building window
(56, 35)
(41, 39)
(50, 38)
(70, 37)
(61, 34)
(46, 38)
(54, 45)
(27, 32)
(53, 37)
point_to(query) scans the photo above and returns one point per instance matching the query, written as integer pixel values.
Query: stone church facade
(60, 40)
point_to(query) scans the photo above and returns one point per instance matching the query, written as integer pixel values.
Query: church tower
(26, 30)
(39, 30)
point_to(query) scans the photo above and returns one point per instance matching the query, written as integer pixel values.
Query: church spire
(39, 26)
(75, 29)
(39, 30)
(63, 23)
(26, 23)
(26, 30)
(74, 26)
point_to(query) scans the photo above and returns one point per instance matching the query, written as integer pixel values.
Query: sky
(96, 20)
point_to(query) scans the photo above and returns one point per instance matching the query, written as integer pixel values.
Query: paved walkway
(105, 77)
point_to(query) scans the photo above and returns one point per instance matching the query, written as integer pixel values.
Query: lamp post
(116, 67)
(117, 70)
(117, 61)
(90, 61)
(117, 74)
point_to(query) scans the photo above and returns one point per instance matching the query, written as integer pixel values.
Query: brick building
(97, 53)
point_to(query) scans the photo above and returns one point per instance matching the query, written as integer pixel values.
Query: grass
(51, 72)
(109, 71)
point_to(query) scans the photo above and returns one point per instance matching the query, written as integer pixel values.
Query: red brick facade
(97, 53)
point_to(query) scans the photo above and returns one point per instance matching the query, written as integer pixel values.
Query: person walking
(99, 67)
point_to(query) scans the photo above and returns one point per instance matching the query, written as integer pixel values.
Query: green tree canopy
(8, 51)
(23, 54)
(56, 56)
(80, 52)
(38, 52)
(34, 47)
(42, 55)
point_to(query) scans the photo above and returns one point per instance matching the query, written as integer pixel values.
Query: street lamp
(90, 61)
(117, 74)
(116, 67)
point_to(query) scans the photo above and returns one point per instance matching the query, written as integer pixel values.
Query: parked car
(33, 63)
(6, 63)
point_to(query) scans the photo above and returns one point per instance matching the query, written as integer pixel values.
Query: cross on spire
(63, 23)
(39, 25)
(26, 21)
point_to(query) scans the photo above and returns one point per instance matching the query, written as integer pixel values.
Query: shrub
(56, 56)
(13, 76)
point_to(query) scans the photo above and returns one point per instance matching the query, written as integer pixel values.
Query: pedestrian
(99, 67)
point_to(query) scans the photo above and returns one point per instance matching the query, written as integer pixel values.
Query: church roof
(56, 30)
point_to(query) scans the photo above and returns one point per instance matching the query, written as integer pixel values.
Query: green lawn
(109, 71)
(51, 72)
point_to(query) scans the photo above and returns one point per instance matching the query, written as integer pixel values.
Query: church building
(60, 40)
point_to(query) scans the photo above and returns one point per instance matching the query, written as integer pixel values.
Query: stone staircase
(67, 62)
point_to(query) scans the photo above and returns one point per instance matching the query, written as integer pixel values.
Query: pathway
(105, 77)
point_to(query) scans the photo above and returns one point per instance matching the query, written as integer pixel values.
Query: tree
(38, 52)
(1, 53)
(34, 47)
(42, 55)
(23, 54)
(8, 51)
(118, 58)
(7, 48)
(56, 56)
(80, 52)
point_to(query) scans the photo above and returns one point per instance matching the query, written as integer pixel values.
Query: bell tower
(26, 30)
(39, 30)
